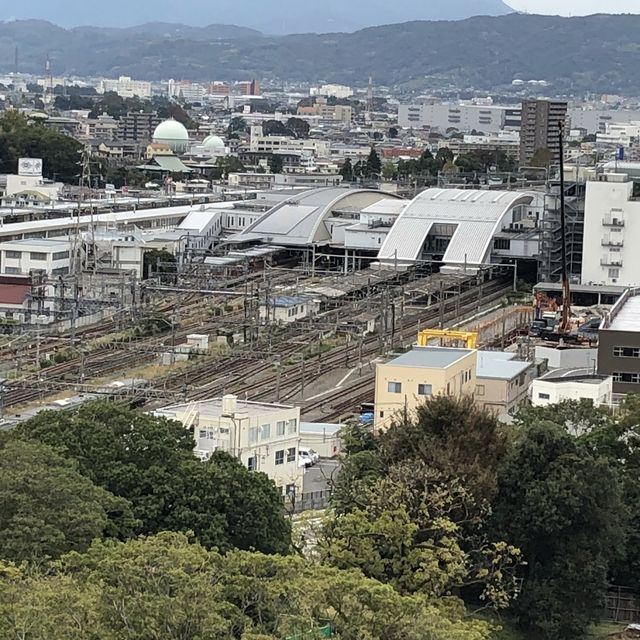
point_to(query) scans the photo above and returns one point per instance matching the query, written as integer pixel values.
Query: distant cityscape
(297, 357)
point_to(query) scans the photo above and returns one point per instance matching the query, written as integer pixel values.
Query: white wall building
(619, 135)
(22, 256)
(572, 384)
(264, 437)
(335, 90)
(125, 87)
(486, 118)
(611, 229)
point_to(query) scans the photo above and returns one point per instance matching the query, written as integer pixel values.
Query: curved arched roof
(477, 216)
(299, 220)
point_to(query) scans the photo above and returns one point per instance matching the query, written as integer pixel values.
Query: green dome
(174, 134)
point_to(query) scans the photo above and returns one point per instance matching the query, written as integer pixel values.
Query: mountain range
(275, 17)
(585, 54)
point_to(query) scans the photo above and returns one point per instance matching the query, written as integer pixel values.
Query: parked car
(308, 456)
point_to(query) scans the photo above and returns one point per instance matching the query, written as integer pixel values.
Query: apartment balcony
(610, 242)
(612, 222)
(611, 262)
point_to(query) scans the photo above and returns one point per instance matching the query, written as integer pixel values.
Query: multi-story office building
(541, 124)
(126, 87)
(619, 344)
(611, 227)
(137, 127)
(487, 119)
(264, 437)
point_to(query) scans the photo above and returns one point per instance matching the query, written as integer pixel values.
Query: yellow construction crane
(469, 337)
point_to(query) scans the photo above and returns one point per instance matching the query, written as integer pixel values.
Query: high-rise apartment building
(541, 120)
(137, 126)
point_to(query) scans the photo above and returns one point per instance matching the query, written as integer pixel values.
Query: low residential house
(264, 437)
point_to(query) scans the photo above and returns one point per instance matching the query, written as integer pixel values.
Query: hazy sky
(575, 7)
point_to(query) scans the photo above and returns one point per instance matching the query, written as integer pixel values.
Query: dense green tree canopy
(165, 588)
(149, 461)
(47, 508)
(562, 506)
(20, 137)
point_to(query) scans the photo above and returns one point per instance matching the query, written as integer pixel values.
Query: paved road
(318, 477)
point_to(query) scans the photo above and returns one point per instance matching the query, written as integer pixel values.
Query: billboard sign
(30, 167)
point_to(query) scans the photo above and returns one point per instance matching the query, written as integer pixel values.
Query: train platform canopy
(304, 219)
(473, 217)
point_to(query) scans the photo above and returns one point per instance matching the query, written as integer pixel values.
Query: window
(293, 425)
(16, 255)
(61, 255)
(480, 389)
(265, 432)
(626, 352)
(503, 244)
(60, 271)
(253, 434)
(382, 414)
(627, 378)
(38, 255)
(425, 390)
(252, 463)
(280, 457)
(291, 454)
(11, 270)
(280, 428)
(206, 434)
(614, 274)
(544, 396)
(394, 387)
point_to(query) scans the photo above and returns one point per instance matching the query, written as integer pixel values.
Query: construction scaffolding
(550, 265)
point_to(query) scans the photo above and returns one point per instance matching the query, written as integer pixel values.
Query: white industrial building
(611, 229)
(571, 384)
(23, 256)
(486, 118)
(264, 437)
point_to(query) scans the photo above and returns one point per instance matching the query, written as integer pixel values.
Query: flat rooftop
(50, 244)
(213, 408)
(628, 316)
(500, 365)
(430, 357)
(584, 376)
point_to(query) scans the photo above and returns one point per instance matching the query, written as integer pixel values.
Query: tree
(346, 171)
(48, 508)
(20, 137)
(388, 171)
(276, 164)
(393, 132)
(453, 436)
(149, 461)
(542, 158)
(562, 507)
(164, 587)
(374, 164)
(299, 127)
(152, 259)
(237, 125)
(410, 505)
(275, 128)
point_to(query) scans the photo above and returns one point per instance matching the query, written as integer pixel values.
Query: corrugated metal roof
(298, 220)
(477, 214)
